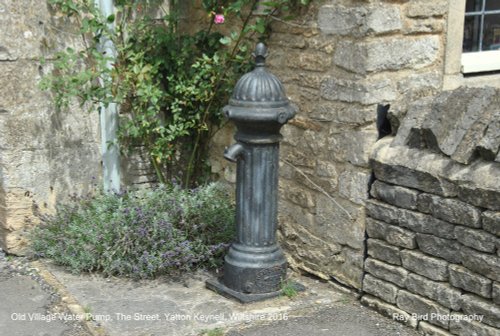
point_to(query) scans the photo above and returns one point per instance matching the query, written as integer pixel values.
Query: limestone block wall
(45, 154)
(137, 170)
(342, 61)
(433, 223)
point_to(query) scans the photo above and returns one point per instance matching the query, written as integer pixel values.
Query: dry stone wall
(45, 154)
(433, 222)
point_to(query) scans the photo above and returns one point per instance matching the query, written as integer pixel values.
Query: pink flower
(219, 19)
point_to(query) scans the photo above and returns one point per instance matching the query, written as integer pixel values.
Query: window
(481, 38)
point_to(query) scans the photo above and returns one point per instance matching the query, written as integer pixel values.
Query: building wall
(342, 62)
(45, 154)
(433, 223)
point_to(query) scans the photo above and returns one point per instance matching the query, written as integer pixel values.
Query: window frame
(453, 69)
(482, 60)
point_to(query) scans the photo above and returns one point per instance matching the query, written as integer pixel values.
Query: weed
(212, 332)
(346, 299)
(288, 289)
(88, 313)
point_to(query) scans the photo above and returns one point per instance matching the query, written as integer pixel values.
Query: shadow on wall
(383, 123)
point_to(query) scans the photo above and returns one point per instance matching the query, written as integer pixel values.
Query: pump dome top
(259, 88)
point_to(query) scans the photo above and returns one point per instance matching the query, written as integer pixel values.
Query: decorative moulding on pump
(259, 105)
(259, 87)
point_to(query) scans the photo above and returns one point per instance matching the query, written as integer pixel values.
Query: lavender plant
(139, 234)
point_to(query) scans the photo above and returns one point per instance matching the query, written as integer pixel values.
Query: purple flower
(143, 231)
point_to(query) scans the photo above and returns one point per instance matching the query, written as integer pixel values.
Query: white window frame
(453, 66)
(480, 61)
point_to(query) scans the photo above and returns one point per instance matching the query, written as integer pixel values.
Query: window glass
(474, 5)
(492, 5)
(472, 33)
(491, 39)
(481, 29)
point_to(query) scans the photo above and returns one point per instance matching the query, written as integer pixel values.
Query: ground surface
(339, 319)
(27, 303)
(171, 307)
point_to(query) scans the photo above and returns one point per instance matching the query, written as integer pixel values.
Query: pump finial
(260, 54)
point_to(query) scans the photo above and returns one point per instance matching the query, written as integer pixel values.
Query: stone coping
(476, 183)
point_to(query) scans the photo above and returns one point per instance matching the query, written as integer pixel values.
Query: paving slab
(23, 309)
(29, 306)
(175, 306)
(338, 319)
(184, 307)
(41, 299)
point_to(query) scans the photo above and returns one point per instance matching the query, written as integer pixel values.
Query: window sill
(451, 82)
(476, 62)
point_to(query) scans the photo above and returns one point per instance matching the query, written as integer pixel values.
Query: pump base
(217, 286)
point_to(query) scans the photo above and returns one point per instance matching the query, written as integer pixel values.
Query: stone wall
(341, 62)
(344, 63)
(45, 154)
(433, 222)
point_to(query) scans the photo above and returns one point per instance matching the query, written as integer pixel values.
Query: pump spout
(232, 153)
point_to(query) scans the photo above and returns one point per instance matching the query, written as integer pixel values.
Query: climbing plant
(170, 83)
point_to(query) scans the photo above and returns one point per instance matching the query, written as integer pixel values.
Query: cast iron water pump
(255, 266)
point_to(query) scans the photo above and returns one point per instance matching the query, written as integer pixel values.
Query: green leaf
(270, 3)
(111, 18)
(260, 26)
(225, 40)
